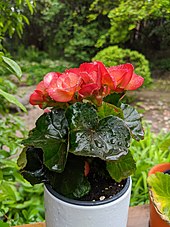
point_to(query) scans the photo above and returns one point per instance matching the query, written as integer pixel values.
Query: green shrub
(154, 149)
(20, 202)
(114, 55)
(31, 54)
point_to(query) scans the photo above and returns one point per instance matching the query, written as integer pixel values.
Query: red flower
(135, 82)
(94, 76)
(39, 96)
(91, 80)
(63, 88)
(125, 77)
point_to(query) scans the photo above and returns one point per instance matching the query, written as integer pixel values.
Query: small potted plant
(159, 191)
(80, 145)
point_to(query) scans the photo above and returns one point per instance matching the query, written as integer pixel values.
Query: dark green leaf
(108, 109)
(107, 139)
(114, 98)
(133, 121)
(82, 116)
(121, 168)
(71, 182)
(50, 135)
(160, 193)
(31, 161)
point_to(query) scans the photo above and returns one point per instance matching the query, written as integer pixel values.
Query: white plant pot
(63, 212)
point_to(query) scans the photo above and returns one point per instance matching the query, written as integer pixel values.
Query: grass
(152, 150)
(20, 202)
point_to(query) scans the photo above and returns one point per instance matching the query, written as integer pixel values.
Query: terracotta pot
(155, 218)
(63, 212)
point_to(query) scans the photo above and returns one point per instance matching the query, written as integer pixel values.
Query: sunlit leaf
(12, 99)
(159, 184)
(14, 67)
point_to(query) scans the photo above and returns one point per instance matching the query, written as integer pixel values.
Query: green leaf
(71, 182)
(121, 168)
(159, 184)
(3, 224)
(12, 99)
(82, 115)
(14, 67)
(107, 139)
(165, 145)
(30, 6)
(114, 98)
(107, 109)
(133, 121)
(50, 134)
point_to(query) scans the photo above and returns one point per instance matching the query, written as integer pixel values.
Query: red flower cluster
(91, 80)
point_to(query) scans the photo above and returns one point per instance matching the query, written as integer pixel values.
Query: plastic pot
(155, 218)
(63, 212)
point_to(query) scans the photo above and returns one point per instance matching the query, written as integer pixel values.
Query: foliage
(30, 54)
(12, 18)
(160, 193)
(83, 125)
(114, 55)
(81, 46)
(64, 24)
(35, 70)
(13, 67)
(147, 153)
(161, 64)
(20, 203)
(127, 17)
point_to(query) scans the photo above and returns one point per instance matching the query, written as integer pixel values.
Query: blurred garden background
(52, 35)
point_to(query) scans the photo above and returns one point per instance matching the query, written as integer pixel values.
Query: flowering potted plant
(80, 145)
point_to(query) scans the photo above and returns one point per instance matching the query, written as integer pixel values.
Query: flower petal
(61, 95)
(135, 82)
(36, 98)
(122, 74)
(48, 78)
(87, 90)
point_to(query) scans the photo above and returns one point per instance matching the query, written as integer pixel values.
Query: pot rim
(161, 167)
(90, 203)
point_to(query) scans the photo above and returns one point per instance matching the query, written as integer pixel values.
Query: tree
(128, 18)
(12, 18)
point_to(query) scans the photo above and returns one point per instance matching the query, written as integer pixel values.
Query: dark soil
(102, 188)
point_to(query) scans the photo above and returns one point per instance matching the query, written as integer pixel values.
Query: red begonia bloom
(125, 77)
(95, 76)
(91, 80)
(135, 82)
(38, 97)
(63, 88)
(49, 77)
